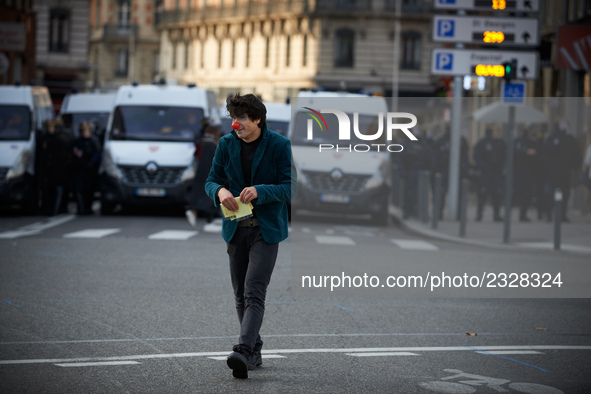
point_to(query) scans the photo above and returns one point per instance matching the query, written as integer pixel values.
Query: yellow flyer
(244, 211)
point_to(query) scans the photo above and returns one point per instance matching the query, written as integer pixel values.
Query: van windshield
(156, 123)
(15, 122)
(73, 121)
(368, 125)
(278, 126)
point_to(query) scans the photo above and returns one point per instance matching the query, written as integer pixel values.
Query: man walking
(254, 164)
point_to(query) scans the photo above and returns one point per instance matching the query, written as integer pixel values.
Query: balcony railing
(269, 7)
(119, 31)
(230, 11)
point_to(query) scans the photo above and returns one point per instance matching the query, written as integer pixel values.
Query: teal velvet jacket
(273, 175)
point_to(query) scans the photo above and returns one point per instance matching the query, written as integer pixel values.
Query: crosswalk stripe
(92, 233)
(334, 240)
(265, 356)
(381, 354)
(97, 364)
(414, 244)
(37, 228)
(503, 352)
(181, 235)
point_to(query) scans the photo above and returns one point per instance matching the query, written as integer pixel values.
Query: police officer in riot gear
(416, 158)
(563, 156)
(527, 167)
(86, 162)
(440, 162)
(56, 158)
(489, 156)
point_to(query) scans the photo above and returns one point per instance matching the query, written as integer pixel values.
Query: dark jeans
(251, 264)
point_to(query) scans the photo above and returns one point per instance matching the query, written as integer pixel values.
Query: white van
(278, 118)
(87, 107)
(149, 144)
(340, 177)
(23, 109)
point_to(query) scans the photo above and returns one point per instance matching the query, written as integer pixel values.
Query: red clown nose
(235, 125)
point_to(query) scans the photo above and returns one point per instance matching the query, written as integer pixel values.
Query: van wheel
(107, 208)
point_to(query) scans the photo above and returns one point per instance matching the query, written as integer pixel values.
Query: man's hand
(248, 194)
(227, 199)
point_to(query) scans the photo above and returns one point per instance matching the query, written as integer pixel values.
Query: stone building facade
(61, 46)
(123, 44)
(276, 48)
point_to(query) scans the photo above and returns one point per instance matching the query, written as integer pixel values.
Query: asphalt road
(142, 303)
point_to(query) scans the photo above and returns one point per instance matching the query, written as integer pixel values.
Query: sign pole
(396, 60)
(455, 142)
(508, 174)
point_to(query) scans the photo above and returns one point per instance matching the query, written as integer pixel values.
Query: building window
(411, 50)
(202, 55)
(173, 65)
(247, 52)
(158, 9)
(122, 63)
(220, 54)
(59, 30)
(344, 48)
(187, 57)
(288, 51)
(346, 4)
(97, 16)
(305, 54)
(267, 51)
(156, 63)
(233, 53)
(123, 14)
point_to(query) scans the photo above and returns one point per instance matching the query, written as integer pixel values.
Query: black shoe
(479, 218)
(498, 219)
(524, 219)
(255, 360)
(238, 363)
(565, 220)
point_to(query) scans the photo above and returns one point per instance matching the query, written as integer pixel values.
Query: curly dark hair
(248, 104)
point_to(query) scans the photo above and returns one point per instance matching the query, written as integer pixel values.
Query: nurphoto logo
(345, 130)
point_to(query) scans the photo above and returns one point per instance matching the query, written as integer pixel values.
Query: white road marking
(36, 228)
(288, 351)
(92, 233)
(414, 244)
(97, 364)
(334, 240)
(381, 354)
(223, 358)
(499, 352)
(180, 235)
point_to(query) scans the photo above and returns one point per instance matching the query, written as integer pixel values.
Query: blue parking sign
(446, 1)
(445, 28)
(444, 61)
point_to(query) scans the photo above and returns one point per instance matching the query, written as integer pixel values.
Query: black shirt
(247, 156)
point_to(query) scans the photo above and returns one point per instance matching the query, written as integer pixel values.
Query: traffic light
(510, 70)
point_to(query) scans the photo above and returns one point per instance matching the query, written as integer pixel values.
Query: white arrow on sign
(460, 62)
(489, 5)
(486, 30)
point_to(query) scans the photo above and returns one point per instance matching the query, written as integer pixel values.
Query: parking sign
(444, 61)
(445, 28)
